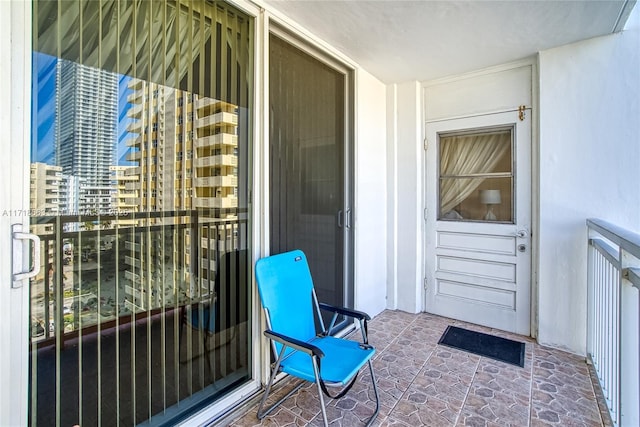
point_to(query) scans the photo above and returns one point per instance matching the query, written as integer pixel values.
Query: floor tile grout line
(399, 334)
(533, 358)
(415, 376)
(466, 396)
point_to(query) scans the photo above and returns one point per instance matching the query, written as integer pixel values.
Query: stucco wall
(589, 155)
(371, 195)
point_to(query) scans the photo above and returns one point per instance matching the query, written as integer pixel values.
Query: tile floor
(422, 383)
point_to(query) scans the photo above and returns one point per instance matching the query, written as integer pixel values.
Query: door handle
(17, 254)
(522, 233)
(347, 218)
(340, 218)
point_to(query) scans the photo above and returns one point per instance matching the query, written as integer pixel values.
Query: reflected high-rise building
(185, 151)
(125, 193)
(87, 108)
(45, 200)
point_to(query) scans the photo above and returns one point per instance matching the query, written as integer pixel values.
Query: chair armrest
(345, 311)
(305, 347)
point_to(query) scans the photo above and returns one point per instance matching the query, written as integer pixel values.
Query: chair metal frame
(290, 345)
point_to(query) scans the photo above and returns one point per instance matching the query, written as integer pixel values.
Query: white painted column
(405, 152)
(392, 202)
(371, 195)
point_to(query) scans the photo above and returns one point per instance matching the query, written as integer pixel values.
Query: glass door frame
(223, 407)
(21, 58)
(15, 45)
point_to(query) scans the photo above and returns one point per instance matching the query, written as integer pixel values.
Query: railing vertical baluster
(612, 332)
(137, 253)
(598, 312)
(616, 346)
(610, 329)
(613, 319)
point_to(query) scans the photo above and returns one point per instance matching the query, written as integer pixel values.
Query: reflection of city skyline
(116, 143)
(180, 154)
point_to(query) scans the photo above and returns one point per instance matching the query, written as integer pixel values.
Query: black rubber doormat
(498, 348)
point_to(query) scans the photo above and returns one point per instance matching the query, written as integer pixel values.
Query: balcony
(136, 84)
(133, 141)
(206, 102)
(132, 186)
(135, 156)
(218, 118)
(221, 139)
(135, 126)
(216, 202)
(217, 181)
(420, 381)
(423, 383)
(135, 112)
(135, 98)
(217, 160)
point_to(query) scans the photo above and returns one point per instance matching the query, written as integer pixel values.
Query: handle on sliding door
(18, 255)
(347, 218)
(340, 218)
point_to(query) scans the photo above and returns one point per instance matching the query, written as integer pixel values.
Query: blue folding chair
(291, 308)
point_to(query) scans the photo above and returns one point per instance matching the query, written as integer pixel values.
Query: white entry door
(478, 220)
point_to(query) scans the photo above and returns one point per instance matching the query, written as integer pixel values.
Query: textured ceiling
(399, 41)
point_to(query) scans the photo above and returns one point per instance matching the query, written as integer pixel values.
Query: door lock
(522, 248)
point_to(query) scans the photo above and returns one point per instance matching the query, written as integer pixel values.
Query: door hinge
(426, 144)
(521, 111)
(426, 284)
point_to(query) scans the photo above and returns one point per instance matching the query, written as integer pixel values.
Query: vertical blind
(142, 312)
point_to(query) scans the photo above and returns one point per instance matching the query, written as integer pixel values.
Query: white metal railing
(613, 328)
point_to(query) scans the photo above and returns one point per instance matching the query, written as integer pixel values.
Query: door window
(476, 176)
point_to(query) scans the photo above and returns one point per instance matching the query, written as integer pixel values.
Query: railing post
(630, 345)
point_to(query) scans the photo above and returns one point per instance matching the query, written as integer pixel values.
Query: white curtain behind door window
(461, 157)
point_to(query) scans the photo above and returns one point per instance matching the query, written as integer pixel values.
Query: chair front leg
(316, 372)
(261, 414)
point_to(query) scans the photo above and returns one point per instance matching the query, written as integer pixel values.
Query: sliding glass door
(140, 165)
(310, 164)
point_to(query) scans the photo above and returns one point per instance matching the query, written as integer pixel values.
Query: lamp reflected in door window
(490, 198)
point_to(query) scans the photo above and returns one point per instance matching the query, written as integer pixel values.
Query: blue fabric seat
(292, 311)
(342, 360)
